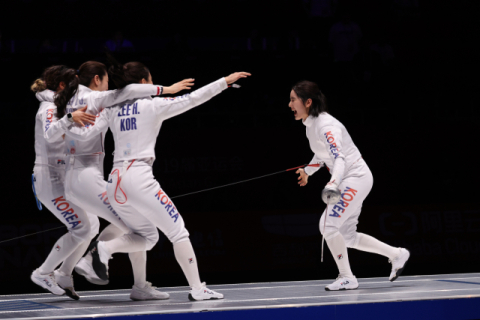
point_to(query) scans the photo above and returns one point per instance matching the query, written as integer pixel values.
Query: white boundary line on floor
(205, 307)
(383, 279)
(56, 298)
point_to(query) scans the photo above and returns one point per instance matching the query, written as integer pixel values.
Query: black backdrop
(417, 132)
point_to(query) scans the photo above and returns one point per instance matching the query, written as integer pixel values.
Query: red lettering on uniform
(166, 199)
(65, 206)
(159, 193)
(346, 194)
(330, 141)
(58, 199)
(354, 192)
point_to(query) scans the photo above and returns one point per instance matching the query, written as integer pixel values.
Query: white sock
(68, 264)
(126, 243)
(340, 255)
(139, 267)
(188, 262)
(60, 251)
(370, 244)
(110, 232)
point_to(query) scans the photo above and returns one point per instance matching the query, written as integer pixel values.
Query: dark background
(409, 99)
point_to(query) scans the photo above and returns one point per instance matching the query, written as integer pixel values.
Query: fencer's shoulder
(326, 120)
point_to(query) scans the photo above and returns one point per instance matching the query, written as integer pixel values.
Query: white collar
(309, 121)
(84, 88)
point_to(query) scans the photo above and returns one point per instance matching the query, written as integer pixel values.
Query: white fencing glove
(331, 194)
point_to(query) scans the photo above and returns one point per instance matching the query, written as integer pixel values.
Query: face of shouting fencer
(300, 110)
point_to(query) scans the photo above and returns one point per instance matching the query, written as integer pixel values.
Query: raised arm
(98, 100)
(170, 107)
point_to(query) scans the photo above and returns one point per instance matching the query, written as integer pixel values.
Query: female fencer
(350, 183)
(84, 182)
(132, 189)
(48, 182)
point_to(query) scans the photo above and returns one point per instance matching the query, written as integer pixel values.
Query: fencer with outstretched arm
(350, 183)
(84, 182)
(133, 191)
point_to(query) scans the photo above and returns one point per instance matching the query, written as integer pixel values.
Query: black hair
(309, 90)
(84, 76)
(125, 74)
(69, 77)
(49, 79)
(88, 70)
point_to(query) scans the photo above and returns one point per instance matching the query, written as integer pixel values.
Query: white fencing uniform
(135, 126)
(333, 147)
(132, 189)
(84, 184)
(49, 177)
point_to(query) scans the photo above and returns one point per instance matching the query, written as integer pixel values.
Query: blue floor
(452, 309)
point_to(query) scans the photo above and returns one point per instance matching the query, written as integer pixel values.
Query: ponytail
(116, 72)
(309, 90)
(123, 75)
(38, 85)
(69, 77)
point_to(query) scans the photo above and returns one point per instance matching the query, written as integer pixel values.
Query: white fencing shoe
(343, 283)
(399, 263)
(85, 268)
(147, 293)
(66, 283)
(47, 282)
(203, 294)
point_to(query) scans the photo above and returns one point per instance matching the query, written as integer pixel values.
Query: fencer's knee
(81, 232)
(152, 240)
(351, 239)
(94, 226)
(330, 233)
(179, 236)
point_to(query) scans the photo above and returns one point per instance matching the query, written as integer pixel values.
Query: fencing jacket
(51, 153)
(135, 124)
(332, 146)
(96, 101)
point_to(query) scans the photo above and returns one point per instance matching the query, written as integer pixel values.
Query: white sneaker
(399, 263)
(47, 282)
(203, 294)
(147, 293)
(66, 283)
(343, 283)
(100, 259)
(84, 268)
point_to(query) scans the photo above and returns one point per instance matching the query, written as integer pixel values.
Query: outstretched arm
(98, 100)
(170, 107)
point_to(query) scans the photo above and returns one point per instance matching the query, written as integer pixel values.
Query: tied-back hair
(309, 90)
(84, 76)
(69, 77)
(49, 79)
(125, 74)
